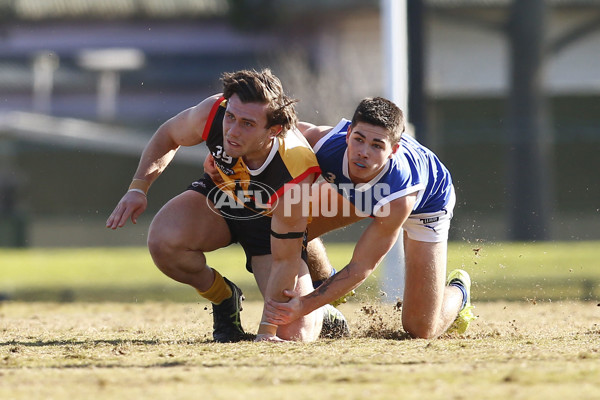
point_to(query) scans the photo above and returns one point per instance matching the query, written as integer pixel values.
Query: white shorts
(431, 227)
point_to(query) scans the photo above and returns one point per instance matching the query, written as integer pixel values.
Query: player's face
(244, 132)
(369, 149)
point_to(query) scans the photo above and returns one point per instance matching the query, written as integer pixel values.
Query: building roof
(121, 9)
(36, 10)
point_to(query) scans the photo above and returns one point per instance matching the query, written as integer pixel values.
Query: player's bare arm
(313, 133)
(184, 129)
(377, 239)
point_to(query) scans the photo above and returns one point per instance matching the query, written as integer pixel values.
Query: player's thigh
(330, 211)
(188, 221)
(425, 277)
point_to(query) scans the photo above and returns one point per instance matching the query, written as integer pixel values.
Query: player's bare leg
(334, 212)
(179, 235)
(304, 329)
(318, 263)
(331, 211)
(429, 306)
(342, 214)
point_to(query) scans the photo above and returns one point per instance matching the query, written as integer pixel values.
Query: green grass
(542, 271)
(509, 271)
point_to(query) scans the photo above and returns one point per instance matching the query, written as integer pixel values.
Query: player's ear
(348, 133)
(275, 130)
(395, 149)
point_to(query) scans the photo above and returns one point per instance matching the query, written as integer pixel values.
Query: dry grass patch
(162, 350)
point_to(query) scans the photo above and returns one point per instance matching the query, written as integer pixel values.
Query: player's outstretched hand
(284, 313)
(131, 205)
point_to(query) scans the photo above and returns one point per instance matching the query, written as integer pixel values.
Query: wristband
(137, 190)
(140, 184)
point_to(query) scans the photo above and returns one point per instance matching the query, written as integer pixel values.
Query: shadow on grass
(509, 289)
(53, 343)
(175, 294)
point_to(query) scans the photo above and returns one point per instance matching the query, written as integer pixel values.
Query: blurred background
(507, 93)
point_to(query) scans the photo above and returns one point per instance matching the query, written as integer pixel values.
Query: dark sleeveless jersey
(291, 159)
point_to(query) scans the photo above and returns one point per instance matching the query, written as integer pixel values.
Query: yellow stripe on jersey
(297, 153)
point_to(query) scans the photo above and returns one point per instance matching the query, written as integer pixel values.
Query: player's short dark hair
(253, 86)
(381, 112)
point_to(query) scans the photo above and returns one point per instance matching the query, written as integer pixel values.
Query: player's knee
(161, 247)
(419, 328)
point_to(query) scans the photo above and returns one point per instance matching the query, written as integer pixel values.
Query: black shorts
(253, 234)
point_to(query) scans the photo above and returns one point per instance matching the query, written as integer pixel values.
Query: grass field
(105, 324)
(516, 350)
(502, 271)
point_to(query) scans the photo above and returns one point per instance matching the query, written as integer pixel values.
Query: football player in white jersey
(400, 184)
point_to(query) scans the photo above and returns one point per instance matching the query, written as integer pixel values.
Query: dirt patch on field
(380, 321)
(497, 319)
(101, 350)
